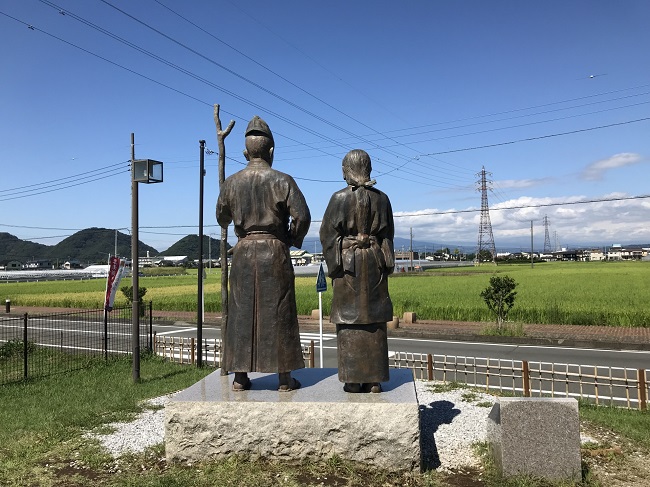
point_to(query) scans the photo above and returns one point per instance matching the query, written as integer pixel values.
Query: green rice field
(578, 293)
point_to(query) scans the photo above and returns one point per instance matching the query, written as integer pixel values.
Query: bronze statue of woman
(357, 237)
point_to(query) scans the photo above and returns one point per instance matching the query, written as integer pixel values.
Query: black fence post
(105, 334)
(25, 348)
(150, 326)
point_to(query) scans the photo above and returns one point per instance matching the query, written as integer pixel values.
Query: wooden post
(429, 366)
(221, 137)
(192, 348)
(643, 397)
(525, 374)
(312, 358)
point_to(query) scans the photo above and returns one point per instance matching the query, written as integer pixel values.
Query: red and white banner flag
(116, 269)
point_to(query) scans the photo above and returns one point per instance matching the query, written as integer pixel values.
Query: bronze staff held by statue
(357, 237)
(270, 215)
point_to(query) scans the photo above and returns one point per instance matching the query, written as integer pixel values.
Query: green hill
(13, 248)
(89, 246)
(190, 246)
(93, 245)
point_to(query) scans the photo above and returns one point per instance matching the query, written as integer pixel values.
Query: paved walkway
(564, 335)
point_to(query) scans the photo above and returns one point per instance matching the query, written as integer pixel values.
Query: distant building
(300, 257)
(173, 261)
(72, 264)
(39, 264)
(14, 265)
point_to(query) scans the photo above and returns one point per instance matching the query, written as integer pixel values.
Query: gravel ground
(148, 429)
(452, 420)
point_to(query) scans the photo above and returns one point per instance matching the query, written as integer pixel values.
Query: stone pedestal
(394, 324)
(536, 436)
(317, 421)
(409, 317)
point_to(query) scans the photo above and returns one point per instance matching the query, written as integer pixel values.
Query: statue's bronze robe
(270, 215)
(357, 236)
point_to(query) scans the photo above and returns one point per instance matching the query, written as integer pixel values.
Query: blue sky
(552, 98)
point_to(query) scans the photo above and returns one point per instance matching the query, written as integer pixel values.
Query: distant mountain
(13, 248)
(89, 246)
(190, 246)
(93, 245)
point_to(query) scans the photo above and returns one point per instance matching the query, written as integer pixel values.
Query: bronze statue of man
(270, 215)
(357, 237)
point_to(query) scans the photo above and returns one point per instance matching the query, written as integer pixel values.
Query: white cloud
(595, 170)
(521, 183)
(574, 225)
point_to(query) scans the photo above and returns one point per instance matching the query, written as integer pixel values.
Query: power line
(395, 167)
(528, 124)
(528, 139)
(62, 186)
(243, 99)
(529, 108)
(260, 87)
(92, 171)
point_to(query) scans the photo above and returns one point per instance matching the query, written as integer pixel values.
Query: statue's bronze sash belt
(351, 244)
(255, 235)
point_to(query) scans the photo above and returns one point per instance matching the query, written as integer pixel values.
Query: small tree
(500, 297)
(128, 293)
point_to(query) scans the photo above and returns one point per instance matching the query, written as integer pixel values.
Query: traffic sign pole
(321, 287)
(320, 317)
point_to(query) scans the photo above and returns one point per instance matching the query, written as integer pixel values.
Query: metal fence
(40, 345)
(184, 350)
(614, 386)
(44, 344)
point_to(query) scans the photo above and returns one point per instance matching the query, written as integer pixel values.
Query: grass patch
(632, 424)
(42, 442)
(41, 422)
(469, 396)
(506, 330)
(493, 478)
(442, 387)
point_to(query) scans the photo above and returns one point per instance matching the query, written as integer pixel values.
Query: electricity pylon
(485, 236)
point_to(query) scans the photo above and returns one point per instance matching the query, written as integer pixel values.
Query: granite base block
(536, 436)
(209, 420)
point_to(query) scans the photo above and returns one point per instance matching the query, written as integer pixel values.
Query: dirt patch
(615, 461)
(469, 477)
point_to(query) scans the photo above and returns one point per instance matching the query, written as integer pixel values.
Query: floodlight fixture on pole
(147, 171)
(142, 171)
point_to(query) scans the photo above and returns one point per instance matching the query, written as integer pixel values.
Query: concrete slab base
(319, 420)
(536, 436)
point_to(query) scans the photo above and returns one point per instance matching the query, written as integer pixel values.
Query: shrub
(15, 348)
(128, 293)
(500, 297)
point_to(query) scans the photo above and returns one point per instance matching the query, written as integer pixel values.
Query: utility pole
(532, 262)
(199, 317)
(135, 304)
(412, 249)
(547, 238)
